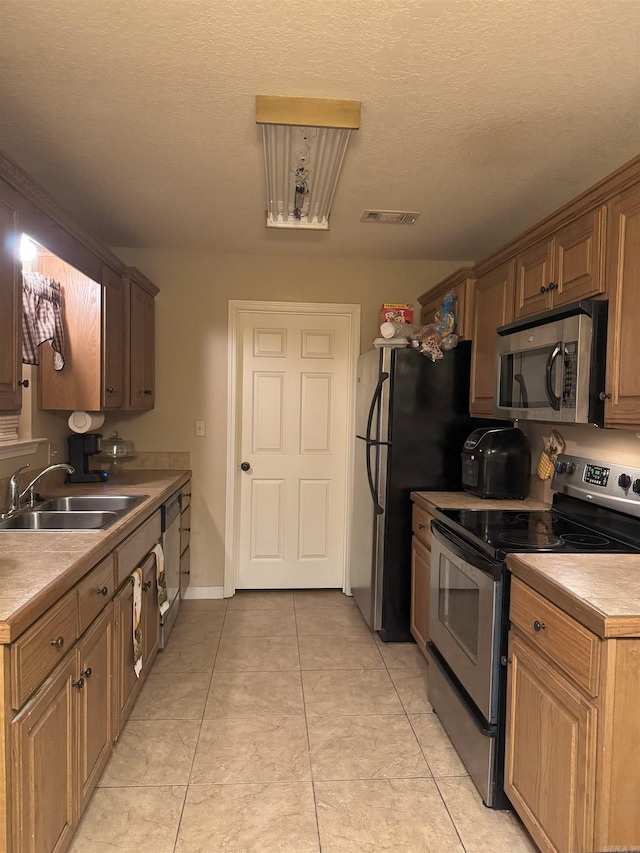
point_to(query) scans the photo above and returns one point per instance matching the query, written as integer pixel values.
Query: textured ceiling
(486, 115)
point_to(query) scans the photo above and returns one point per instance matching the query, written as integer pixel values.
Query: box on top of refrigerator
(396, 312)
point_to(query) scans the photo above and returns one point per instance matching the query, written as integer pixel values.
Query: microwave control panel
(570, 375)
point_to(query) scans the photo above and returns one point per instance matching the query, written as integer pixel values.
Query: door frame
(237, 307)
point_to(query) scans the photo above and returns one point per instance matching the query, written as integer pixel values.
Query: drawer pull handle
(59, 643)
(79, 683)
(86, 672)
(539, 626)
(102, 590)
(146, 585)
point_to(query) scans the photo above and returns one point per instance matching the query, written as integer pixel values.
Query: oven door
(465, 606)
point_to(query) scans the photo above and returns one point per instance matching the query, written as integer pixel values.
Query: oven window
(459, 606)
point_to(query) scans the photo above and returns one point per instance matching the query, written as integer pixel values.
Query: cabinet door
(622, 406)
(113, 339)
(549, 753)
(493, 307)
(127, 683)
(579, 254)
(44, 761)
(10, 312)
(420, 582)
(95, 704)
(185, 571)
(142, 348)
(534, 274)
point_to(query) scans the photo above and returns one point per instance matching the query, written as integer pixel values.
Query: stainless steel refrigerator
(412, 417)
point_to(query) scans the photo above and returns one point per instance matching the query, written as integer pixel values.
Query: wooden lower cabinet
(420, 583)
(95, 713)
(127, 683)
(572, 730)
(550, 757)
(44, 771)
(61, 741)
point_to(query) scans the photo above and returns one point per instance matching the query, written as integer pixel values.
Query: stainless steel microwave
(551, 367)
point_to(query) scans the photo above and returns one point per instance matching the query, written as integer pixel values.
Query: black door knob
(245, 466)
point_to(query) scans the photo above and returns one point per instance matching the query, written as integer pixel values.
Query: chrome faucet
(15, 495)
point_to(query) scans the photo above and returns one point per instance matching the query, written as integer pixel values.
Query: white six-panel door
(293, 375)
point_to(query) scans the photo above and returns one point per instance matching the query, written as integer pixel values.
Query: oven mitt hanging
(553, 447)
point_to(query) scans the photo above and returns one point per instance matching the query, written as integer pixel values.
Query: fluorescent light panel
(303, 161)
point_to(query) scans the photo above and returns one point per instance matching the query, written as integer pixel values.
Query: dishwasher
(171, 550)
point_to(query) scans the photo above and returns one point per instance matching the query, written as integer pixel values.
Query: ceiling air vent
(390, 217)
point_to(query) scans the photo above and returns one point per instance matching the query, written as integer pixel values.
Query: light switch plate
(200, 428)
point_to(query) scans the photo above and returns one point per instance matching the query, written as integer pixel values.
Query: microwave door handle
(524, 397)
(554, 400)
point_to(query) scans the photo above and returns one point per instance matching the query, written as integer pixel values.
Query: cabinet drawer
(42, 647)
(185, 529)
(421, 525)
(186, 495)
(566, 643)
(134, 549)
(94, 591)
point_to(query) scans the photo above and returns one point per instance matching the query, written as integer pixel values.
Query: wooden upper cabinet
(142, 373)
(493, 307)
(460, 285)
(113, 339)
(562, 268)
(622, 406)
(10, 311)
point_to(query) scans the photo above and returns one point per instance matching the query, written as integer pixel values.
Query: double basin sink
(78, 512)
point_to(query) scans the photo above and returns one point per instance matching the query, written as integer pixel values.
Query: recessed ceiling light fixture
(305, 140)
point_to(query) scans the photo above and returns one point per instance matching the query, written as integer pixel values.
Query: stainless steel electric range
(596, 508)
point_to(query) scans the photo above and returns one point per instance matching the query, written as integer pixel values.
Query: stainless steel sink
(90, 503)
(30, 520)
(74, 512)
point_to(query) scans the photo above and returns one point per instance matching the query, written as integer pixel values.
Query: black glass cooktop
(501, 532)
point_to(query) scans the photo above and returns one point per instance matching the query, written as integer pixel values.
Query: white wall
(191, 354)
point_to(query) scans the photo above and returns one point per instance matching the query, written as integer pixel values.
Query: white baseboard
(204, 592)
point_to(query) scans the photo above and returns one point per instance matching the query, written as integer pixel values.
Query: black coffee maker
(81, 447)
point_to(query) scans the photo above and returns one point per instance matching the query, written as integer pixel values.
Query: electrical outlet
(200, 428)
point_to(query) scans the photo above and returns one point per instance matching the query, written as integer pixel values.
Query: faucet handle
(19, 470)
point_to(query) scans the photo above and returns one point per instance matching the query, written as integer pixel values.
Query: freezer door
(367, 419)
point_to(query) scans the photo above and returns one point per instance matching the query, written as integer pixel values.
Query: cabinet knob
(420, 526)
(552, 286)
(59, 643)
(187, 529)
(109, 390)
(604, 396)
(187, 572)
(86, 672)
(146, 585)
(79, 684)
(24, 383)
(186, 494)
(147, 391)
(102, 590)
(543, 289)
(539, 626)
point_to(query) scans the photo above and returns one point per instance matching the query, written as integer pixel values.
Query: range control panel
(613, 485)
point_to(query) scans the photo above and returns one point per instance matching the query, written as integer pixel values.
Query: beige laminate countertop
(463, 500)
(601, 591)
(37, 568)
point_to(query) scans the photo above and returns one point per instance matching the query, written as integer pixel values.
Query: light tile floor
(277, 723)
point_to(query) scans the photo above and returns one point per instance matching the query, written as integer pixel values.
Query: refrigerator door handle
(374, 401)
(369, 445)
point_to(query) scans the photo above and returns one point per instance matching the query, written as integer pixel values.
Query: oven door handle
(463, 549)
